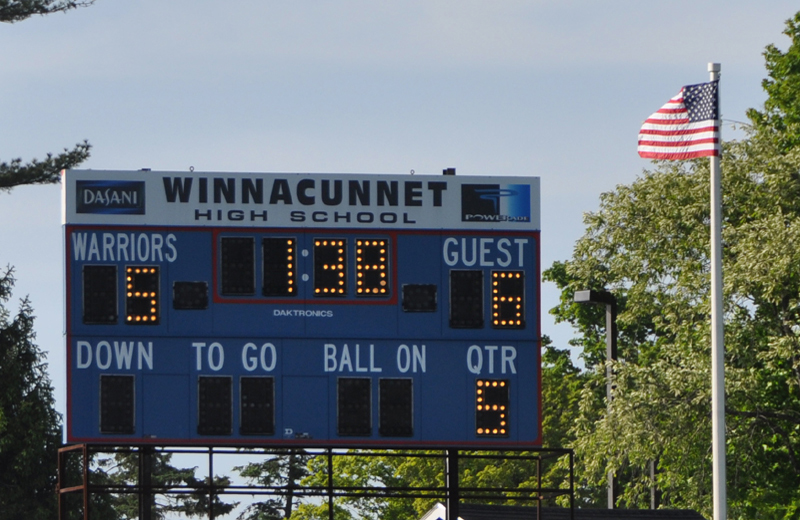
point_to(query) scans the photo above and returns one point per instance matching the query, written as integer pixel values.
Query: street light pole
(607, 299)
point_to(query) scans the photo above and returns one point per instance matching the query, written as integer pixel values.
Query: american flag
(685, 128)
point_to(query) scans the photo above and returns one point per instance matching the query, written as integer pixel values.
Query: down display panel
(307, 309)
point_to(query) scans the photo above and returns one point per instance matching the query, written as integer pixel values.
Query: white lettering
(122, 247)
(450, 257)
(330, 357)
(490, 350)
(93, 249)
(345, 360)
(143, 245)
(502, 248)
(118, 247)
(474, 258)
(474, 359)
(103, 354)
(215, 347)
(268, 367)
(199, 350)
(173, 251)
(103, 346)
(359, 368)
(157, 241)
(108, 247)
(476, 355)
(79, 245)
(419, 358)
(124, 353)
(249, 363)
(146, 355)
(485, 251)
(84, 346)
(520, 242)
(372, 367)
(411, 358)
(508, 355)
(403, 358)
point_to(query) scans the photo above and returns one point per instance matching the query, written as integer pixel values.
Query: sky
(545, 88)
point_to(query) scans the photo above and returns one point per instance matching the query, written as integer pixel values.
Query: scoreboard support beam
(74, 498)
(453, 486)
(146, 497)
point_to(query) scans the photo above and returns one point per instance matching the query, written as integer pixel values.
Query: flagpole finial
(714, 67)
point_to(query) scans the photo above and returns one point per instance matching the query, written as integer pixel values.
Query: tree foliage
(30, 428)
(30, 432)
(17, 10)
(46, 171)
(780, 118)
(283, 471)
(122, 469)
(649, 244)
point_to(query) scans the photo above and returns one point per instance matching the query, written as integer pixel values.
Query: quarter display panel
(347, 328)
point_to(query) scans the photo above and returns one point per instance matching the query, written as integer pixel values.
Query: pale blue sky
(555, 89)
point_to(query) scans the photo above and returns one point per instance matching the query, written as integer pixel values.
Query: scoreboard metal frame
(302, 309)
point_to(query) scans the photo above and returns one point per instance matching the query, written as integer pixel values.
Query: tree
(122, 469)
(284, 470)
(17, 10)
(30, 428)
(780, 119)
(649, 244)
(46, 171)
(30, 432)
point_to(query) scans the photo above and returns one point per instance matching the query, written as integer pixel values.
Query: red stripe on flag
(679, 156)
(685, 131)
(671, 144)
(668, 121)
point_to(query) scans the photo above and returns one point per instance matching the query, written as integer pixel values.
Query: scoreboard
(312, 309)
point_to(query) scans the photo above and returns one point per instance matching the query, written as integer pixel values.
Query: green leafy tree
(30, 431)
(377, 470)
(780, 118)
(649, 244)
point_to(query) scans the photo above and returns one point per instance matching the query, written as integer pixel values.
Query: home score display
(302, 309)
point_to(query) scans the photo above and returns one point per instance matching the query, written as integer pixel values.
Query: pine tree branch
(17, 10)
(47, 171)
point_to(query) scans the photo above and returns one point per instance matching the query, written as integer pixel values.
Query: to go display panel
(302, 309)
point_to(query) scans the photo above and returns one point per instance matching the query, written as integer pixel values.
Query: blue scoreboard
(310, 309)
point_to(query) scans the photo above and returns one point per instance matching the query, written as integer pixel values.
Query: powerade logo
(110, 197)
(495, 203)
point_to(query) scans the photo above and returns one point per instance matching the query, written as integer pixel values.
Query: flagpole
(717, 339)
